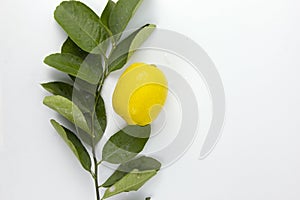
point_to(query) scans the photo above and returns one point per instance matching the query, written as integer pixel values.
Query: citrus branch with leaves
(92, 51)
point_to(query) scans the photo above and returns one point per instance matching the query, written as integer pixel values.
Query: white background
(255, 45)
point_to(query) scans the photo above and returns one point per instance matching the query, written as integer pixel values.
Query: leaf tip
(53, 122)
(46, 100)
(46, 60)
(43, 85)
(55, 125)
(152, 25)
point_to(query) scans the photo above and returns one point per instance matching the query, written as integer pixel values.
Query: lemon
(140, 94)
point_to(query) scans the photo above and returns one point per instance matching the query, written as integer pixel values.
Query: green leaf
(99, 123)
(142, 35)
(67, 109)
(85, 137)
(106, 12)
(126, 144)
(100, 116)
(81, 24)
(76, 66)
(121, 14)
(128, 46)
(104, 20)
(83, 85)
(75, 145)
(131, 182)
(142, 164)
(101, 113)
(84, 100)
(59, 88)
(70, 47)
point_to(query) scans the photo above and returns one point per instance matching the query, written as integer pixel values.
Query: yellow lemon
(140, 94)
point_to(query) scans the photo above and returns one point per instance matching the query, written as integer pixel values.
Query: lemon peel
(140, 94)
